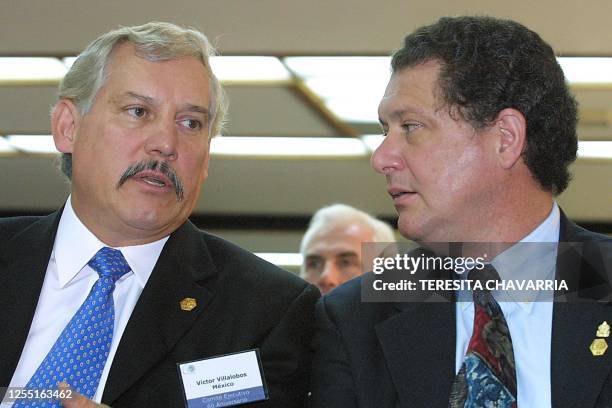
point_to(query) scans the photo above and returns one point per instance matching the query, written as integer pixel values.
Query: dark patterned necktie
(487, 377)
(80, 352)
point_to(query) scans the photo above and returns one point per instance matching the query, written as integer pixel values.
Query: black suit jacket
(403, 354)
(243, 303)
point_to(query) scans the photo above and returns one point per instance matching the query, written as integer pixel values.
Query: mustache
(157, 165)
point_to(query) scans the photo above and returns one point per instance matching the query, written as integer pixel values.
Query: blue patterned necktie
(80, 352)
(487, 377)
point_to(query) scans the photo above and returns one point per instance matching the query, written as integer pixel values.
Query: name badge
(224, 381)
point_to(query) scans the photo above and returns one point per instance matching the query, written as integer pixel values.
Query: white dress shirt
(67, 283)
(529, 322)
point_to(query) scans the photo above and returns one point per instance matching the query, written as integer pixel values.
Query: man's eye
(137, 111)
(191, 124)
(347, 263)
(314, 264)
(344, 263)
(411, 126)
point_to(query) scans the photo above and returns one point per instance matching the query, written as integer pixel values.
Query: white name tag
(224, 381)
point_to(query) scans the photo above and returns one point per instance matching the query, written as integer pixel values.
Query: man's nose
(163, 140)
(387, 157)
(329, 278)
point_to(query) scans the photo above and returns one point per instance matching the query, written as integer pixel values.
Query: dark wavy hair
(489, 64)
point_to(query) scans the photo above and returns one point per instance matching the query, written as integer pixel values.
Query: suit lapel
(24, 262)
(418, 344)
(184, 270)
(577, 377)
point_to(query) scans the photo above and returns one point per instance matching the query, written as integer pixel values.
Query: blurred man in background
(332, 245)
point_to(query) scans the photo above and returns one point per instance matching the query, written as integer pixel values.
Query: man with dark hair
(117, 289)
(506, 67)
(480, 130)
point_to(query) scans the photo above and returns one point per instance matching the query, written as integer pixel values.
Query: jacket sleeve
(332, 382)
(286, 352)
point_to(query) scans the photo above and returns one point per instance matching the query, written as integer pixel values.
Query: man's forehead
(121, 54)
(345, 229)
(414, 75)
(126, 55)
(129, 74)
(341, 250)
(412, 90)
(333, 252)
(340, 236)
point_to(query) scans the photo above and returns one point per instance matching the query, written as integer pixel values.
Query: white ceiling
(63, 27)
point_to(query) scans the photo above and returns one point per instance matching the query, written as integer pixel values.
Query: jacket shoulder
(584, 235)
(11, 226)
(345, 307)
(571, 232)
(241, 265)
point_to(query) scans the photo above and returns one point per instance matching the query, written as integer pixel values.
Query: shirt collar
(548, 230)
(75, 245)
(525, 262)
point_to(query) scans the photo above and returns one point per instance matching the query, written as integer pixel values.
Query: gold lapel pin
(188, 304)
(603, 330)
(598, 347)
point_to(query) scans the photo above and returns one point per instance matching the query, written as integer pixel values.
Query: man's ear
(64, 120)
(510, 129)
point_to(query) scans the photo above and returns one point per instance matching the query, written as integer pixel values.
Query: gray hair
(154, 41)
(342, 214)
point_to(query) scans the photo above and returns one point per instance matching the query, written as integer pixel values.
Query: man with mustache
(152, 165)
(480, 129)
(117, 288)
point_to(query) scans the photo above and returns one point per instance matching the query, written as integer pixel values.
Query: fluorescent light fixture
(254, 68)
(355, 110)
(350, 98)
(282, 259)
(351, 87)
(5, 147)
(240, 68)
(234, 146)
(358, 71)
(31, 69)
(280, 146)
(372, 141)
(69, 61)
(583, 70)
(595, 149)
(288, 146)
(32, 143)
(338, 67)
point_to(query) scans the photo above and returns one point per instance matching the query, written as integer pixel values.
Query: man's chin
(152, 219)
(410, 228)
(409, 232)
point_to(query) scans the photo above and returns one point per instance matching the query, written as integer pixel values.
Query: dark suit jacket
(243, 303)
(403, 354)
